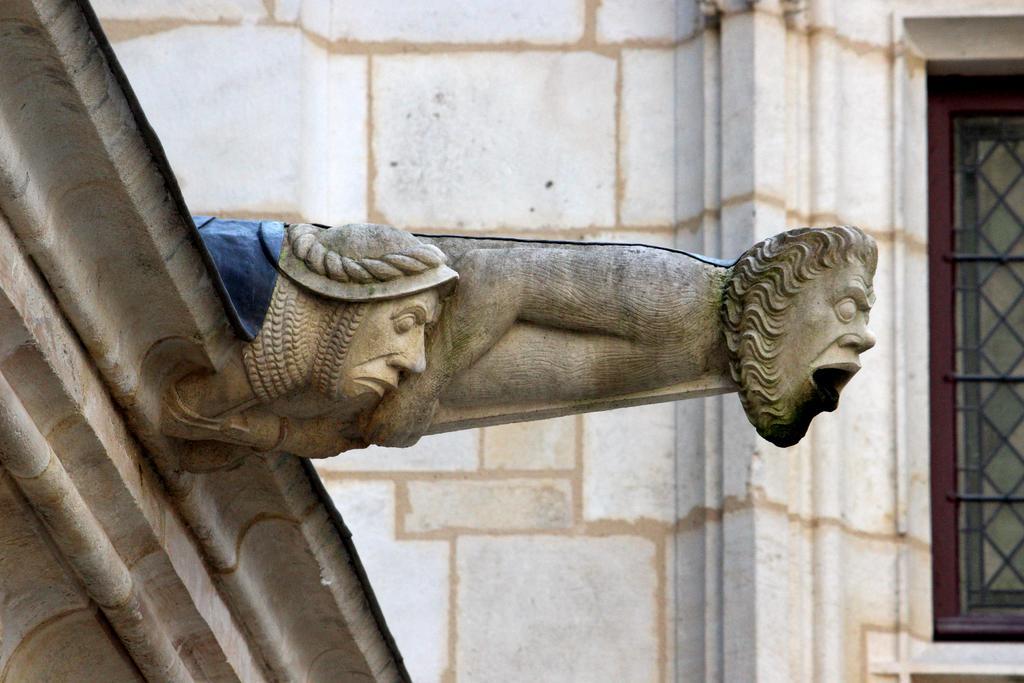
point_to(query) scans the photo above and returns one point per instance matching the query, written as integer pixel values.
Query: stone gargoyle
(366, 334)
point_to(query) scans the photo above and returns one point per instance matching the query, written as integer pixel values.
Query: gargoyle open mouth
(829, 381)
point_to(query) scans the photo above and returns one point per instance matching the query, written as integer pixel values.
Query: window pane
(989, 217)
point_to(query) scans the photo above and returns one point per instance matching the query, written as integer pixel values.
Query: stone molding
(41, 477)
(961, 43)
(937, 38)
(123, 292)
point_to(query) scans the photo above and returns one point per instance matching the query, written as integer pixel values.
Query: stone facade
(650, 544)
(115, 564)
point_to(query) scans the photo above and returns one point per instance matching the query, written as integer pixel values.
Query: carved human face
(826, 331)
(388, 343)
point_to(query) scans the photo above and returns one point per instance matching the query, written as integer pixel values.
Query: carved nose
(411, 357)
(860, 342)
(418, 365)
(867, 341)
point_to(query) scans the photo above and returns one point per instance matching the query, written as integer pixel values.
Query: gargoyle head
(348, 318)
(795, 313)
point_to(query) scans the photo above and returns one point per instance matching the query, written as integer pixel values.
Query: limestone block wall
(533, 552)
(650, 544)
(814, 563)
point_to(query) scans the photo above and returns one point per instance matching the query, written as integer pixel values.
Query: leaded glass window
(988, 223)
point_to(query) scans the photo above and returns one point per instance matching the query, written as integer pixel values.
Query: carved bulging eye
(405, 323)
(846, 309)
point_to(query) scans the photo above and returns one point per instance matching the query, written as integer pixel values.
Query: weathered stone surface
(585, 609)
(289, 10)
(623, 20)
(253, 141)
(659, 337)
(83, 644)
(824, 641)
(281, 160)
(36, 588)
(859, 446)
(193, 10)
(862, 117)
(454, 451)
(749, 112)
(88, 479)
(695, 472)
(863, 23)
(457, 21)
(349, 366)
(647, 123)
(102, 292)
(692, 188)
(665, 237)
(344, 322)
(915, 351)
(524, 140)
(411, 577)
(504, 504)
(621, 481)
(694, 594)
(335, 151)
(545, 444)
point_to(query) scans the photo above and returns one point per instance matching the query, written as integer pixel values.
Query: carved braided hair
(327, 364)
(304, 339)
(279, 359)
(761, 286)
(302, 239)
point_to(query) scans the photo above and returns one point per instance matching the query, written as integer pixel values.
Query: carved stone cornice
(793, 11)
(714, 10)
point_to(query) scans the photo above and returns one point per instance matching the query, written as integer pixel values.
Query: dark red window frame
(949, 97)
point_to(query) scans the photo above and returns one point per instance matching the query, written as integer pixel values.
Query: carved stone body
(563, 323)
(352, 352)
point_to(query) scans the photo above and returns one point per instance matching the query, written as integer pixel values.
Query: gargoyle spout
(375, 336)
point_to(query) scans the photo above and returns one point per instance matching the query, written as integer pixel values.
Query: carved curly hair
(761, 286)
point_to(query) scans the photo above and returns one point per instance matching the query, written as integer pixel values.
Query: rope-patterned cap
(362, 261)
